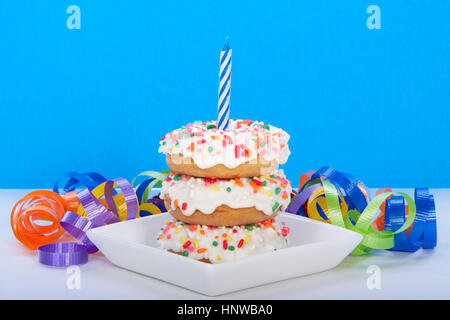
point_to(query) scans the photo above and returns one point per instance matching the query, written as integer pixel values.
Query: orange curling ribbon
(304, 178)
(71, 200)
(35, 218)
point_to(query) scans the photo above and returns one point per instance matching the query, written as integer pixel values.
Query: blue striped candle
(223, 109)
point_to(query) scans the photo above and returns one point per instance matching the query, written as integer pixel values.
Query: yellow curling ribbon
(317, 199)
(149, 207)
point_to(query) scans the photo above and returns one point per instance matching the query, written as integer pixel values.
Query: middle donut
(225, 202)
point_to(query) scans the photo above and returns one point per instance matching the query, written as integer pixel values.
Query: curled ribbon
(421, 234)
(123, 206)
(42, 205)
(343, 200)
(84, 180)
(97, 203)
(154, 179)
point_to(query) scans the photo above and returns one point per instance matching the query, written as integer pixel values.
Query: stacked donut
(224, 191)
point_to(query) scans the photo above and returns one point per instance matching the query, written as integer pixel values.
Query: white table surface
(421, 275)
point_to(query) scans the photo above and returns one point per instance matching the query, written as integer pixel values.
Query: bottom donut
(221, 244)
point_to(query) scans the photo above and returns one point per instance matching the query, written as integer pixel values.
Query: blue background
(373, 103)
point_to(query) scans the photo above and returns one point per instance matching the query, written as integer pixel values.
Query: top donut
(245, 149)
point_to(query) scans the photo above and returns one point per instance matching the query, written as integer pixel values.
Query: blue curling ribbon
(356, 180)
(141, 189)
(346, 186)
(423, 233)
(353, 196)
(80, 180)
(426, 206)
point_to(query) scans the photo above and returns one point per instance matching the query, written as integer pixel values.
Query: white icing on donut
(221, 244)
(267, 193)
(242, 142)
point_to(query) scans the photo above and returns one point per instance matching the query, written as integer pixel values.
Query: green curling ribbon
(361, 222)
(374, 239)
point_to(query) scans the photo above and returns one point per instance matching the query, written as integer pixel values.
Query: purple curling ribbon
(300, 199)
(77, 226)
(62, 254)
(97, 214)
(131, 200)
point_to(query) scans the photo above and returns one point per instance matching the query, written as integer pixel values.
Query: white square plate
(314, 247)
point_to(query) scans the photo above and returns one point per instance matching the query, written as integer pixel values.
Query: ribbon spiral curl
(154, 179)
(37, 206)
(343, 200)
(97, 203)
